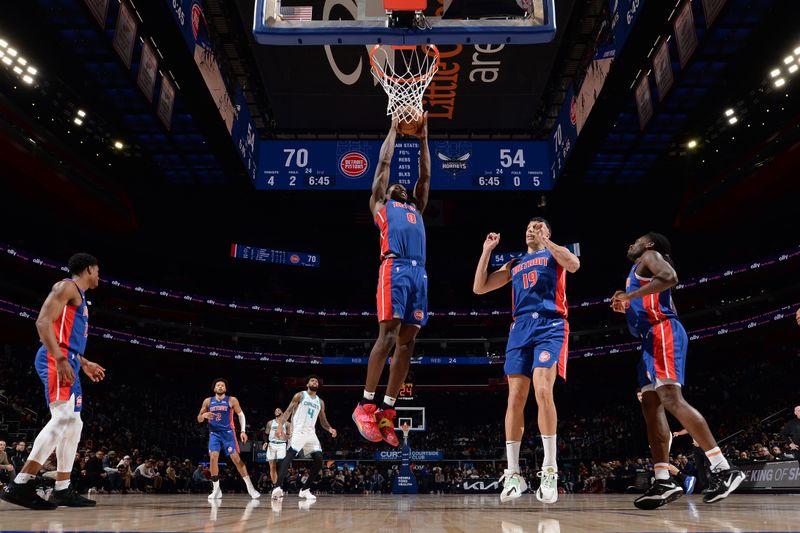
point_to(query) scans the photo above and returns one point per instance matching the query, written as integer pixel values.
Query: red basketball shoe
(364, 417)
(385, 419)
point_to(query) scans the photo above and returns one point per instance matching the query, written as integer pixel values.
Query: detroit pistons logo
(79, 401)
(353, 164)
(197, 14)
(418, 314)
(230, 449)
(544, 357)
(294, 259)
(573, 114)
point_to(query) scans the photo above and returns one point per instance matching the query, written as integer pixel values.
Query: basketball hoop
(404, 72)
(405, 428)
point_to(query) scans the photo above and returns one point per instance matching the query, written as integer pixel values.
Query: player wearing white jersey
(276, 447)
(304, 410)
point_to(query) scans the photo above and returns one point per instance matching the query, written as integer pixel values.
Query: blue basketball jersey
(72, 325)
(402, 231)
(538, 285)
(645, 312)
(223, 414)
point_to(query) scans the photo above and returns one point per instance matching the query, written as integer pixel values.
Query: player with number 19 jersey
(540, 331)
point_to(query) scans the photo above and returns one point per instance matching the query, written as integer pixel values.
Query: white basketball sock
(248, 483)
(512, 454)
(717, 460)
(549, 445)
(661, 470)
(61, 485)
(369, 396)
(388, 400)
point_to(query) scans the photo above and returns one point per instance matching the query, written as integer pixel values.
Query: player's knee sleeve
(317, 457)
(52, 433)
(68, 444)
(291, 453)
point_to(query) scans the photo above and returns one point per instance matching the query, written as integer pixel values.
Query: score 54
(507, 160)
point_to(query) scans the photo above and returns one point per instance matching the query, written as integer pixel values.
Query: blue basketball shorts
(223, 440)
(536, 341)
(403, 291)
(663, 355)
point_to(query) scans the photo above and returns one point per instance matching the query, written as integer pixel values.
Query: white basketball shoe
(548, 488)
(306, 493)
(513, 485)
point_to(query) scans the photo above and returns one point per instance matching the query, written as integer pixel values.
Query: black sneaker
(69, 497)
(24, 494)
(661, 492)
(722, 483)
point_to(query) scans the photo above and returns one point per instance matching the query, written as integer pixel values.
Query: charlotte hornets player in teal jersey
(306, 407)
(275, 446)
(402, 296)
(63, 327)
(537, 344)
(218, 411)
(647, 304)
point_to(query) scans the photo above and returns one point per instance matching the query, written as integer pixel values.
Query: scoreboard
(455, 165)
(278, 257)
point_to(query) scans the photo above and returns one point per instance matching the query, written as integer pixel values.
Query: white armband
(241, 421)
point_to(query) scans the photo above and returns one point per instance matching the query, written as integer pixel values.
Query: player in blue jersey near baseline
(218, 411)
(402, 296)
(63, 326)
(537, 345)
(651, 316)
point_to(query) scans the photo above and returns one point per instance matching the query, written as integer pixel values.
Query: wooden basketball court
(428, 513)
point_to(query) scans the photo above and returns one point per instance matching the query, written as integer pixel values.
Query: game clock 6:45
(321, 181)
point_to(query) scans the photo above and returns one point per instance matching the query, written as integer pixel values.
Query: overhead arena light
(780, 82)
(775, 73)
(728, 112)
(691, 144)
(797, 51)
(81, 113)
(733, 120)
(23, 68)
(118, 145)
(77, 121)
(793, 69)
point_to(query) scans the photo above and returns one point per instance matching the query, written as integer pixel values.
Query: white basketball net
(404, 72)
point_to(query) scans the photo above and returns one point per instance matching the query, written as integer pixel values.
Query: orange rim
(395, 79)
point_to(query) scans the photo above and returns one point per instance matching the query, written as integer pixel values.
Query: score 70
(299, 155)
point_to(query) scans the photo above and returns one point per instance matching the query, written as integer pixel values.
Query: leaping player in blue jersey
(537, 345)
(650, 312)
(63, 327)
(218, 411)
(402, 295)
